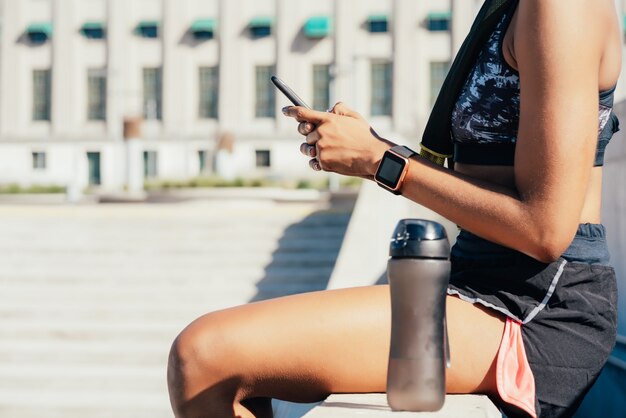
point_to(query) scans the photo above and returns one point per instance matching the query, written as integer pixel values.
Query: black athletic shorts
(567, 311)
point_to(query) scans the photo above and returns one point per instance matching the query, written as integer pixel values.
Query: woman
(531, 306)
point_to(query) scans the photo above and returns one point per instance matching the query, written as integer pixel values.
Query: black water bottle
(418, 272)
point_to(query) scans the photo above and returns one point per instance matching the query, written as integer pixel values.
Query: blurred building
(196, 71)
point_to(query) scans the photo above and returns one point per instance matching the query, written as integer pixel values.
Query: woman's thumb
(341, 109)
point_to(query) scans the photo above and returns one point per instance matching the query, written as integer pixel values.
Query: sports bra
(485, 118)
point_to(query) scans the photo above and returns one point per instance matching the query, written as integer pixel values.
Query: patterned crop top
(485, 117)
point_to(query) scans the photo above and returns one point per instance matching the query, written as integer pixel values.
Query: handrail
(615, 362)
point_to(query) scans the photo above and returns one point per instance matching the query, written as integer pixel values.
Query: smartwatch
(393, 167)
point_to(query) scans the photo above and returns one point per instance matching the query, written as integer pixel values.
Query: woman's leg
(302, 348)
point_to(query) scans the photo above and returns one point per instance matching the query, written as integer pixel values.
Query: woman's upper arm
(558, 48)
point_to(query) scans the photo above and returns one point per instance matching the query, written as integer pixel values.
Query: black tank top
(485, 117)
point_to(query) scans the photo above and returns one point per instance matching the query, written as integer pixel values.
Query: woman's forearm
(494, 212)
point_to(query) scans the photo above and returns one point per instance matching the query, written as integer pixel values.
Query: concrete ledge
(375, 405)
(43, 199)
(374, 218)
(271, 193)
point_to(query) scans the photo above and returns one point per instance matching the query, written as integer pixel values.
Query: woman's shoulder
(554, 18)
(554, 32)
(596, 20)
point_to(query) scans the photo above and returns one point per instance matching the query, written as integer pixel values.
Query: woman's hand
(339, 141)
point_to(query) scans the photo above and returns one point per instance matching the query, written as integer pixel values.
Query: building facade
(196, 72)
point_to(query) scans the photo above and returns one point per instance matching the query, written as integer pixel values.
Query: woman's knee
(197, 360)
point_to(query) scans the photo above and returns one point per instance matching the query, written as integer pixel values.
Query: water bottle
(418, 272)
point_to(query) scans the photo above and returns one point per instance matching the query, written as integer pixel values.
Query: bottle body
(417, 358)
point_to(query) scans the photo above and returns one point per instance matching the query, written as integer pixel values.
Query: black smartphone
(286, 90)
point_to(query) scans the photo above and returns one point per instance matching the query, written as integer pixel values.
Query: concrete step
(97, 332)
(97, 411)
(45, 381)
(137, 352)
(101, 292)
(85, 398)
(213, 252)
(112, 295)
(81, 371)
(26, 311)
(170, 275)
(89, 309)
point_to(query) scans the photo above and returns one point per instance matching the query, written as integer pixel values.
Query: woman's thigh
(303, 347)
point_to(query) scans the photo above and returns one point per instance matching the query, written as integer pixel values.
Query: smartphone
(286, 90)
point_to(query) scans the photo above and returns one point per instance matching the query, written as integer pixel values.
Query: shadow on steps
(307, 251)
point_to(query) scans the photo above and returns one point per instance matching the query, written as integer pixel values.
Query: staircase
(91, 297)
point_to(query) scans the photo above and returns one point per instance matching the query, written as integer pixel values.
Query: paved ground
(92, 296)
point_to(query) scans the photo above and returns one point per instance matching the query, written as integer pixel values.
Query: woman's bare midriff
(505, 176)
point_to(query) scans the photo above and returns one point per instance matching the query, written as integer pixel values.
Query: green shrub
(350, 181)
(212, 181)
(34, 189)
(304, 184)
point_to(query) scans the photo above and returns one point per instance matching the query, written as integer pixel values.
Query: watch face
(390, 170)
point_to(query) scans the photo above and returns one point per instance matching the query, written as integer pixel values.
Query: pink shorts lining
(514, 378)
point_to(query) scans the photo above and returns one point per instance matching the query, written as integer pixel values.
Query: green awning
(317, 27)
(261, 22)
(93, 30)
(378, 18)
(147, 24)
(92, 26)
(203, 25)
(40, 28)
(439, 15)
(148, 28)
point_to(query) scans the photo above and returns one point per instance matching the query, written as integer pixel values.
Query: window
(202, 160)
(93, 159)
(438, 21)
(39, 33)
(265, 101)
(261, 26)
(438, 73)
(96, 94)
(263, 158)
(381, 88)
(148, 29)
(208, 86)
(321, 87)
(150, 168)
(41, 95)
(39, 160)
(378, 23)
(152, 93)
(93, 30)
(203, 29)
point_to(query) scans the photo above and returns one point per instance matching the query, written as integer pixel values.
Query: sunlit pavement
(91, 296)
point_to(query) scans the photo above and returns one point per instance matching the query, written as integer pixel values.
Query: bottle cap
(419, 238)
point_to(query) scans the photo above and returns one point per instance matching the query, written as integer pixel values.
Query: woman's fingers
(308, 150)
(305, 128)
(313, 137)
(302, 114)
(341, 109)
(315, 164)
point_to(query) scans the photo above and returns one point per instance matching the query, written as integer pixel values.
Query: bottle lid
(418, 238)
